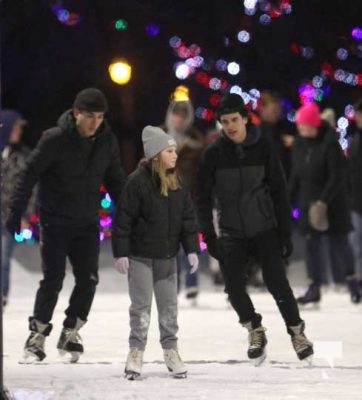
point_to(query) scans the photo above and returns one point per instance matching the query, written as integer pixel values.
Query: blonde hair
(168, 178)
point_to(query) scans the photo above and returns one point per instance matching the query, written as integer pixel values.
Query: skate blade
(310, 306)
(308, 361)
(29, 358)
(180, 375)
(74, 355)
(131, 376)
(257, 362)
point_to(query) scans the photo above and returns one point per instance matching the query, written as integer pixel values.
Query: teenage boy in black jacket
(242, 171)
(70, 162)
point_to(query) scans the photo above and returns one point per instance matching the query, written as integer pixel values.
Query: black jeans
(234, 265)
(81, 246)
(341, 256)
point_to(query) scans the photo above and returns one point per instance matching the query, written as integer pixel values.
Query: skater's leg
(164, 283)
(314, 257)
(356, 238)
(84, 257)
(234, 269)
(274, 274)
(140, 287)
(8, 244)
(54, 242)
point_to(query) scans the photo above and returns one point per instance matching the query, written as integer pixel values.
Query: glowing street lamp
(120, 72)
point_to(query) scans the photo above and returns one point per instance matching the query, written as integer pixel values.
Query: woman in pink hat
(319, 177)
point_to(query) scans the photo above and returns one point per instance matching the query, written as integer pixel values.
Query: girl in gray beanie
(155, 214)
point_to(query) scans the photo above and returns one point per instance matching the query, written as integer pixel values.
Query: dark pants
(341, 256)
(81, 245)
(235, 265)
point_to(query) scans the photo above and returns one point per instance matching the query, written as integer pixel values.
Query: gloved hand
(214, 247)
(286, 246)
(13, 223)
(122, 265)
(194, 262)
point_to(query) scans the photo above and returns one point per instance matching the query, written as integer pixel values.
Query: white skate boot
(174, 363)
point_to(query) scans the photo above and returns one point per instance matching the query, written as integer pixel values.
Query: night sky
(46, 62)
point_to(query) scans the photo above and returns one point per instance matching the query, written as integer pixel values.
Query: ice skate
(174, 363)
(257, 344)
(311, 298)
(34, 346)
(70, 342)
(191, 295)
(354, 290)
(302, 346)
(134, 364)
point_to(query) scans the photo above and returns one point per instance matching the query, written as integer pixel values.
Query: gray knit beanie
(155, 140)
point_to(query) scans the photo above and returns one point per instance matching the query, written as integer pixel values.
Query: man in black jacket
(355, 175)
(245, 175)
(70, 163)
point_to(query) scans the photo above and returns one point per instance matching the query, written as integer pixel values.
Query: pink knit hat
(308, 114)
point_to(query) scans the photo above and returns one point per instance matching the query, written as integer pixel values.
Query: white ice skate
(133, 364)
(174, 363)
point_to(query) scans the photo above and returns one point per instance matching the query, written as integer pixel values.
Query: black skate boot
(302, 346)
(257, 343)
(311, 296)
(354, 290)
(34, 346)
(71, 342)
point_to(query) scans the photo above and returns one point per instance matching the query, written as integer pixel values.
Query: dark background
(45, 63)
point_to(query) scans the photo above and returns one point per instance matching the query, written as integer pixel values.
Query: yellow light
(181, 93)
(120, 72)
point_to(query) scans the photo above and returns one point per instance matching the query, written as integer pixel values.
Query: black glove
(13, 223)
(286, 246)
(214, 247)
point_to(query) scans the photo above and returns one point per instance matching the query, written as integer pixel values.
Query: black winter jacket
(320, 173)
(249, 185)
(355, 171)
(148, 224)
(70, 170)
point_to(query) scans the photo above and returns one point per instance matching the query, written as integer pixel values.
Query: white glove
(193, 261)
(122, 265)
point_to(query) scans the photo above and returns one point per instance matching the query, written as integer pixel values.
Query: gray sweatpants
(146, 276)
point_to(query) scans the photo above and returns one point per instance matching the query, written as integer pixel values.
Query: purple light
(152, 29)
(101, 236)
(357, 33)
(295, 213)
(105, 222)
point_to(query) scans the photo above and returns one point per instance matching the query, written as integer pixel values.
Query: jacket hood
(252, 136)
(67, 123)
(187, 107)
(8, 118)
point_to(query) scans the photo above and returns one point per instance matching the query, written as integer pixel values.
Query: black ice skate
(70, 342)
(174, 363)
(311, 297)
(257, 344)
(302, 346)
(34, 346)
(354, 290)
(133, 364)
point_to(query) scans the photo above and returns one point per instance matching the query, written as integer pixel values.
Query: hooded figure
(190, 141)
(14, 156)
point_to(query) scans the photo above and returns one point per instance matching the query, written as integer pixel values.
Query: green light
(121, 25)
(18, 237)
(105, 203)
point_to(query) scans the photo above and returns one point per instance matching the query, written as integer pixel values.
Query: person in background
(355, 180)
(242, 171)
(14, 155)
(190, 144)
(154, 217)
(70, 163)
(273, 125)
(319, 180)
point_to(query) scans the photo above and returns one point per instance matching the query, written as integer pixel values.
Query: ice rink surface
(211, 342)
